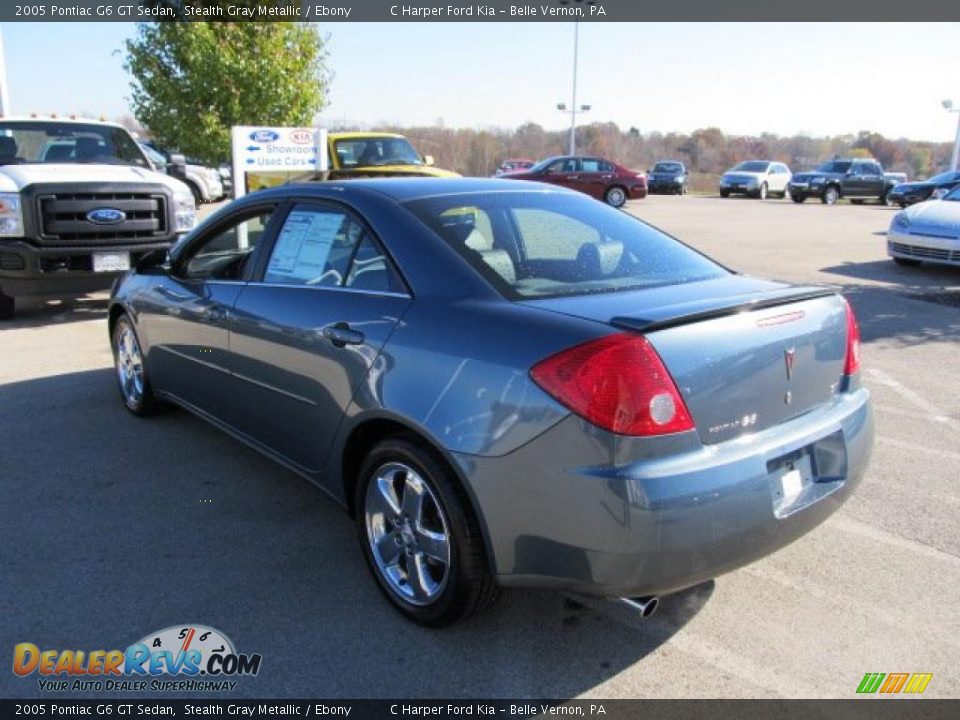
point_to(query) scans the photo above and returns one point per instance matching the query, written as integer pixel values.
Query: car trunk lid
(745, 354)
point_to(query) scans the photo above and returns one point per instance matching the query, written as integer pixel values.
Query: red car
(599, 178)
(515, 165)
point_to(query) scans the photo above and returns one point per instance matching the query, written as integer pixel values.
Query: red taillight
(618, 383)
(852, 363)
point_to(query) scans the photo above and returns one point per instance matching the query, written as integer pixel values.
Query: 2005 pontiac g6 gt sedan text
(507, 384)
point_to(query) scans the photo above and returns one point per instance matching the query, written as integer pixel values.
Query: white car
(756, 178)
(204, 182)
(927, 232)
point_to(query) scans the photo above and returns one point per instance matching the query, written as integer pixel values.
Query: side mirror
(177, 167)
(428, 160)
(156, 260)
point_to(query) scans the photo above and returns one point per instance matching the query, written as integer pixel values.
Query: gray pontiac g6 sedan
(505, 383)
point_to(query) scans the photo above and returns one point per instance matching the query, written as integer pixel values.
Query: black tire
(195, 191)
(763, 192)
(615, 196)
(902, 204)
(7, 306)
(906, 262)
(469, 586)
(885, 198)
(143, 403)
(798, 198)
(724, 193)
(831, 195)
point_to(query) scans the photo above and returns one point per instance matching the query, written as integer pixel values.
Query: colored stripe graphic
(894, 683)
(918, 683)
(870, 682)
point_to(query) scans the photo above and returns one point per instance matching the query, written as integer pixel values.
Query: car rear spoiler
(687, 315)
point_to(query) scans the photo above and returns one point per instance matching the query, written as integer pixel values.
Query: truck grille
(63, 217)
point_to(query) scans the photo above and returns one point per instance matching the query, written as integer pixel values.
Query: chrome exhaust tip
(624, 610)
(645, 606)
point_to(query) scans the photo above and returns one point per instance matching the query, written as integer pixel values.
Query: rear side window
(553, 245)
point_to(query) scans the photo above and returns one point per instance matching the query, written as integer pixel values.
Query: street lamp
(948, 106)
(574, 108)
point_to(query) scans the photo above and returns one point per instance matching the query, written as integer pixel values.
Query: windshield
(835, 166)
(61, 142)
(158, 160)
(667, 168)
(530, 245)
(752, 166)
(953, 195)
(360, 152)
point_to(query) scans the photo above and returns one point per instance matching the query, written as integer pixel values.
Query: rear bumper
(677, 514)
(27, 269)
(637, 192)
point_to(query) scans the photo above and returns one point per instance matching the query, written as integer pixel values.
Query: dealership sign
(272, 155)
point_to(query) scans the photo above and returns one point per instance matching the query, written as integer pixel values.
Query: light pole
(574, 108)
(4, 92)
(948, 106)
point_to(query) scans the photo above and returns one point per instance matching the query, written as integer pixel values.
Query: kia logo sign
(301, 137)
(264, 136)
(106, 216)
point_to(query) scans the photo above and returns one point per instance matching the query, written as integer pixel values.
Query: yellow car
(373, 154)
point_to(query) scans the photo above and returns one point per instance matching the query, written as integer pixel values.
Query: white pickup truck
(79, 204)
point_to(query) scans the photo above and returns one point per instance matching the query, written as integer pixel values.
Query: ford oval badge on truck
(106, 216)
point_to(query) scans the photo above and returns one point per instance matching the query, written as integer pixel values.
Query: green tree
(192, 81)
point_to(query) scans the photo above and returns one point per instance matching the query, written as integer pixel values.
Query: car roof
(360, 135)
(409, 188)
(67, 120)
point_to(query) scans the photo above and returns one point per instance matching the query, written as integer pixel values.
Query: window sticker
(303, 246)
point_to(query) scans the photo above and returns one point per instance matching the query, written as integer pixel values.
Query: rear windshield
(44, 141)
(752, 166)
(556, 245)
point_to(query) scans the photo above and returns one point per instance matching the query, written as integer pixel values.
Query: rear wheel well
(362, 440)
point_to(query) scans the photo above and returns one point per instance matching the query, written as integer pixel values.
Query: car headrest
(476, 240)
(599, 259)
(87, 148)
(8, 146)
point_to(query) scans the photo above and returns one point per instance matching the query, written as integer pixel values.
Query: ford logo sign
(264, 136)
(106, 216)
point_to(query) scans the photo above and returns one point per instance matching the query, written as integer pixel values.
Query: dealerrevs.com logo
(180, 658)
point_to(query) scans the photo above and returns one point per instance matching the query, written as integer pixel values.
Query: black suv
(857, 179)
(668, 176)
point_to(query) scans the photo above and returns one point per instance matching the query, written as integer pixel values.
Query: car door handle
(341, 335)
(572, 177)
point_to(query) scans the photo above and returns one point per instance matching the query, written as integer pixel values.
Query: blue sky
(820, 79)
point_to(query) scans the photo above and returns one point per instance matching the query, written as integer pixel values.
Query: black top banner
(488, 11)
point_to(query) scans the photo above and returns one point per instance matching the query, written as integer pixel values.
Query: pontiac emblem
(789, 356)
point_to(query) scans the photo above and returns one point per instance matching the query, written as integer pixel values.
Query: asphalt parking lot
(113, 527)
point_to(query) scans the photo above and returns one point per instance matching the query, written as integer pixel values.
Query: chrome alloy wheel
(408, 533)
(129, 364)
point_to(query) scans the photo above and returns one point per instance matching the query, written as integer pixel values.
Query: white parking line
(906, 393)
(849, 525)
(916, 447)
(740, 666)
